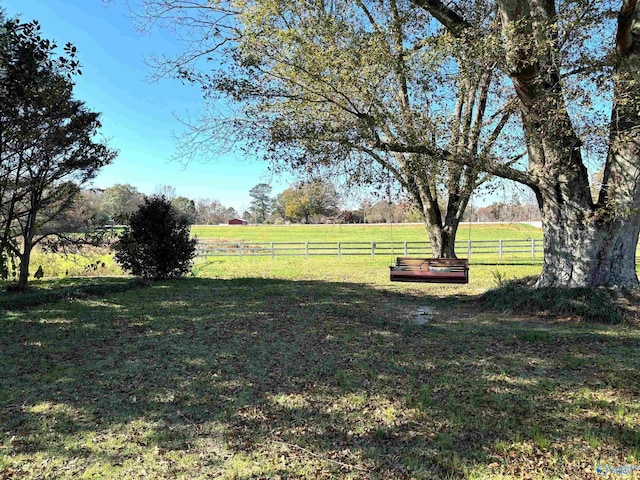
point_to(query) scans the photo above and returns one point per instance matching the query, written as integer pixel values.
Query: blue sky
(138, 116)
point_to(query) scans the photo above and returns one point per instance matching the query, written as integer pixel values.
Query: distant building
(237, 221)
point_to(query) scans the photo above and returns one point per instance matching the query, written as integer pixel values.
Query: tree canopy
(47, 146)
(323, 85)
(157, 243)
(261, 201)
(433, 94)
(306, 200)
(120, 201)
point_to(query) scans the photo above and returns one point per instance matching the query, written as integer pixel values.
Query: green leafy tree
(157, 242)
(326, 87)
(47, 147)
(185, 207)
(89, 205)
(287, 204)
(306, 200)
(120, 201)
(569, 70)
(261, 201)
(567, 62)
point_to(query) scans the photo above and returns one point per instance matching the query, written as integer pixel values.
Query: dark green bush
(156, 244)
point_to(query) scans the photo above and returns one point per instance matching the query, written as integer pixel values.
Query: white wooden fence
(530, 248)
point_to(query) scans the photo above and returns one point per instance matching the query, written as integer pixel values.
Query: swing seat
(430, 270)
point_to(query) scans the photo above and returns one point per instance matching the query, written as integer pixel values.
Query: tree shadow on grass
(260, 378)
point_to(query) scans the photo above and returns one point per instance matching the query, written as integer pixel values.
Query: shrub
(156, 243)
(588, 304)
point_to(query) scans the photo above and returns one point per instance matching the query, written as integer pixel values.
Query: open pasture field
(360, 233)
(388, 241)
(356, 270)
(99, 262)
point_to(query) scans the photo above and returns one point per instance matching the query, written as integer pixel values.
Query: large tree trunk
(580, 250)
(441, 229)
(25, 259)
(586, 244)
(28, 232)
(442, 239)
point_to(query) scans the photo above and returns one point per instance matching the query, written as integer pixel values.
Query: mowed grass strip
(357, 270)
(243, 378)
(330, 235)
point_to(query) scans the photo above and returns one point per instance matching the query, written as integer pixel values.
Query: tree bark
(586, 244)
(443, 239)
(23, 275)
(441, 229)
(28, 233)
(581, 250)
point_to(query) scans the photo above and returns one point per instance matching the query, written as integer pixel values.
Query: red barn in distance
(237, 221)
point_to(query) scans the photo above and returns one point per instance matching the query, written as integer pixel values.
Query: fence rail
(530, 248)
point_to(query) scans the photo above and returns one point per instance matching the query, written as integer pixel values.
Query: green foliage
(185, 207)
(261, 201)
(119, 201)
(306, 200)
(47, 147)
(156, 244)
(432, 93)
(499, 277)
(330, 89)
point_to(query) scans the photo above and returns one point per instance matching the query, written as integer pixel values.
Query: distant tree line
(507, 212)
(116, 204)
(317, 201)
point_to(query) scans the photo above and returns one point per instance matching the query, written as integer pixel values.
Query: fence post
(500, 248)
(240, 249)
(406, 254)
(468, 248)
(373, 249)
(533, 248)
(306, 249)
(339, 251)
(273, 253)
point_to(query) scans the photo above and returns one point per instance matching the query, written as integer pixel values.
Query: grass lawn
(295, 368)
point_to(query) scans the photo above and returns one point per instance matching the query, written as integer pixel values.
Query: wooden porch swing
(430, 270)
